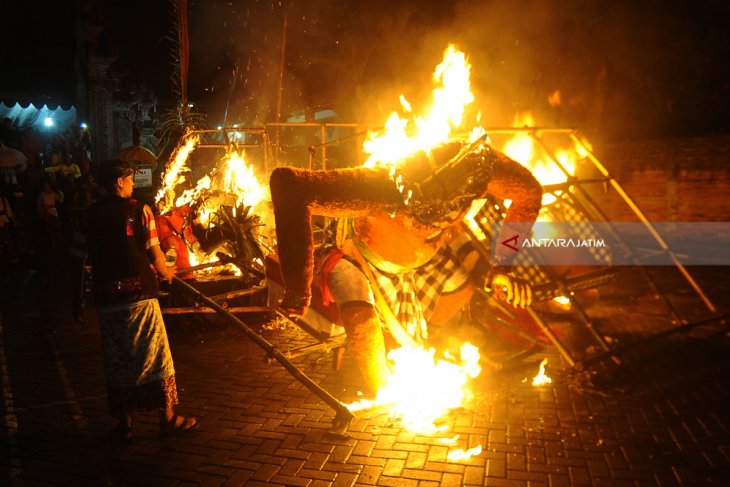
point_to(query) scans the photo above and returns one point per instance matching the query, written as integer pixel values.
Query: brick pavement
(662, 418)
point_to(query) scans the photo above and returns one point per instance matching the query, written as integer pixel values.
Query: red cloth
(169, 227)
(328, 263)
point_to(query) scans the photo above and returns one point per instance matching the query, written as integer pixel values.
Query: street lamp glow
(84, 125)
(48, 122)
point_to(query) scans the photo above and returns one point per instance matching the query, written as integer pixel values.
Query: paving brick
(416, 460)
(421, 474)
(445, 467)
(497, 482)
(473, 475)
(369, 475)
(316, 460)
(496, 468)
(396, 482)
(345, 480)
(372, 461)
(402, 455)
(363, 448)
(290, 481)
(265, 472)
(393, 467)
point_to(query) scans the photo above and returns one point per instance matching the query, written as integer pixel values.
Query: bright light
(84, 125)
(219, 127)
(48, 122)
(541, 378)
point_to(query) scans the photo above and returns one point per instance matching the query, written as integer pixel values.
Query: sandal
(178, 425)
(121, 433)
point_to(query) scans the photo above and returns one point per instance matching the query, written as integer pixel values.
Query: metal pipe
(552, 336)
(603, 215)
(632, 204)
(207, 310)
(343, 416)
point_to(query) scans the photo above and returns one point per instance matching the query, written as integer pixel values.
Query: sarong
(139, 371)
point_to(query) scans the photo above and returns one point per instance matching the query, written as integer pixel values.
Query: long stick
(343, 415)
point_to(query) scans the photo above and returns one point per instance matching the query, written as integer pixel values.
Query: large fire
(403, 137)
(421, 388)
(231, 183)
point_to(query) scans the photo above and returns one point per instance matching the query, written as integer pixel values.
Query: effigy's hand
(293, 305)
(515, 291)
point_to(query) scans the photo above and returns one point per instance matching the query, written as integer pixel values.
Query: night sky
(624, 69)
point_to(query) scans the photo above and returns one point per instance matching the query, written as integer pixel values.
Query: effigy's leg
(366, 342)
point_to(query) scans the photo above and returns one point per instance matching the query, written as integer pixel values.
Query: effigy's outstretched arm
(298, 193)
(511, 180)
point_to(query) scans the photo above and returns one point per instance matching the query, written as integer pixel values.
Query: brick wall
(685, 179)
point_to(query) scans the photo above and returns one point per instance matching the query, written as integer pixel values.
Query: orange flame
(405, 136)
(174, 173)
(422, 389)
(232, 183)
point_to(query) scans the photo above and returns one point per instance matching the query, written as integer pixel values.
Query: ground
(658, 418)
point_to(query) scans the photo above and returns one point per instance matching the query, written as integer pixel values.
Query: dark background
(624, 69)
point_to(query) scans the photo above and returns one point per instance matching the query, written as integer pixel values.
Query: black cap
(113, 169)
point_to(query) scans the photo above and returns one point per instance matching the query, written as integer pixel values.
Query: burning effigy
(397, 262)
(397, 258)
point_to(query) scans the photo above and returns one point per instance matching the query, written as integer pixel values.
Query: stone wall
(685, 179)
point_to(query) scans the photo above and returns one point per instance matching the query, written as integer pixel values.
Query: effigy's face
(399, 239)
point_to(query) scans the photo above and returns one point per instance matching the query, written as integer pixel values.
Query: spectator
(9, 135)
(8, 253)
(47, 204)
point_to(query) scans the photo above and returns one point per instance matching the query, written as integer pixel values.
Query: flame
(405, 136)
(239, 179)
(232, 183)
(541, 378)
(459, 454)
(521, 148)
(563, 302)
(174, 175)
(422, 389)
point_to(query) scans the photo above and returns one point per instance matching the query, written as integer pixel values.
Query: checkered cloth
(524, 265)
(412, 295)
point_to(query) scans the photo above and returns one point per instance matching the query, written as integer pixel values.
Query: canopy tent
(43, 118)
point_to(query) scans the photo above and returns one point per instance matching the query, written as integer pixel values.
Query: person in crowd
(32, 148)
(9, 135)
(47, 204)
(8, 253)
(125, 255)
(65, 167)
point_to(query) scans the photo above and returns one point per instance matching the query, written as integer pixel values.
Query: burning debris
(224, 210)
(542, 378)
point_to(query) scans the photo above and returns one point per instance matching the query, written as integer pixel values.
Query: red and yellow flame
(404, 136)
(232, 183)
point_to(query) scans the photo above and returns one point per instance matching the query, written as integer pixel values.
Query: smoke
(620, 68)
